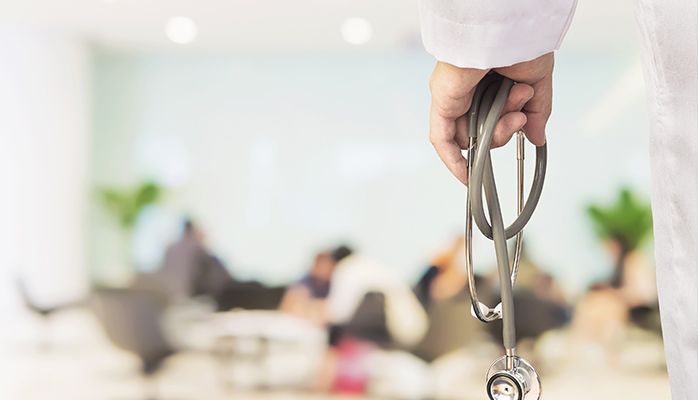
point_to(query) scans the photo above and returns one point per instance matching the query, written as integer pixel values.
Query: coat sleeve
(493, 33)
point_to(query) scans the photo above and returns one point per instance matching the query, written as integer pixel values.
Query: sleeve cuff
(495, 44)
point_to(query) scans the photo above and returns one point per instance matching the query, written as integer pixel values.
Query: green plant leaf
(126, 204)
(627, 220)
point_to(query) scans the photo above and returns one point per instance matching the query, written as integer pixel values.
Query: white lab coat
(670, 39)
(494, 33)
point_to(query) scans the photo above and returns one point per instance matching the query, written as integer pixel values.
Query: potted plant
(625, 224)
(124, 206)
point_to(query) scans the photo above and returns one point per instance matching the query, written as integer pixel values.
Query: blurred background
(237, 199)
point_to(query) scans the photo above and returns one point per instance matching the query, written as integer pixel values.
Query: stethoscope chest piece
(518, 381)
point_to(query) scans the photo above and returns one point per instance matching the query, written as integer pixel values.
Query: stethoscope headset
(510, 377)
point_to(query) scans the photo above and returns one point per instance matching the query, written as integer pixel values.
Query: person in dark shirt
(306, 298)
(190, 269)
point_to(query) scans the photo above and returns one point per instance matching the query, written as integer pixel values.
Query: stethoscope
(510, 377)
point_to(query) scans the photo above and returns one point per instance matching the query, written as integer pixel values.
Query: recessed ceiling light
(181, 30)
(357, 30)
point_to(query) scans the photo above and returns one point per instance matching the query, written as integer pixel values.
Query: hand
(528, 107)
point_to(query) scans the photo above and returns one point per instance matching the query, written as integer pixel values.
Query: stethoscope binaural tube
(487, 106)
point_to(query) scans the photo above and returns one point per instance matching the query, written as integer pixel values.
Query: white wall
(279, 156)
(44, 120)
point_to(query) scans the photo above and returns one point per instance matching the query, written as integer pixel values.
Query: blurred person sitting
(445, 277)
(364, 294)
(307, 298)
(189, 269)
(600, 322)
(638, 290)
(368, 309)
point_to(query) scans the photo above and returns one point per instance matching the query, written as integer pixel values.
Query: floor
(73, 363)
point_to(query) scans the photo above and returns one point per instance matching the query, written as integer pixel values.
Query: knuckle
(432, 84)
(547, 111)
(448, 108)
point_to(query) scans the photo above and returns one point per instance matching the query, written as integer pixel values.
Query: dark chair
(534, 316)
(249, 296)
(131, 320)
(369, 323)
(43, 311)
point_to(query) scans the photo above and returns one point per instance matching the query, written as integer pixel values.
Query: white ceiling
(276, 25)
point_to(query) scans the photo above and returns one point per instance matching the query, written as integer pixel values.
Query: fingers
(442, 134)
(528, 106)
(512, 119)
(538, 110)
(538, 73)
(452, 90)
(506, 127)
(518, 96)
(462, 132)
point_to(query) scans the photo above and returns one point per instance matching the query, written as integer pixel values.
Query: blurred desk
(273, 326)
(253, 348)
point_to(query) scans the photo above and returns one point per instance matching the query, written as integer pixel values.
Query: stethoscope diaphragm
(517, 381)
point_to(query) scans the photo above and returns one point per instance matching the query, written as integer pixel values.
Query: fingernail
(542, 142)
(523, 122)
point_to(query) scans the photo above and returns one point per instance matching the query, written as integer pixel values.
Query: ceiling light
(357, 30)
(181, 30)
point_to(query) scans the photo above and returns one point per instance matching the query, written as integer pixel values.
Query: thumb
(452, 91)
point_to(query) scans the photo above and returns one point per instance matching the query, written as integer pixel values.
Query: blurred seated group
(362, 310)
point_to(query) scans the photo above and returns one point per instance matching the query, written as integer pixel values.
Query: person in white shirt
(357, 276)
(517, 39)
